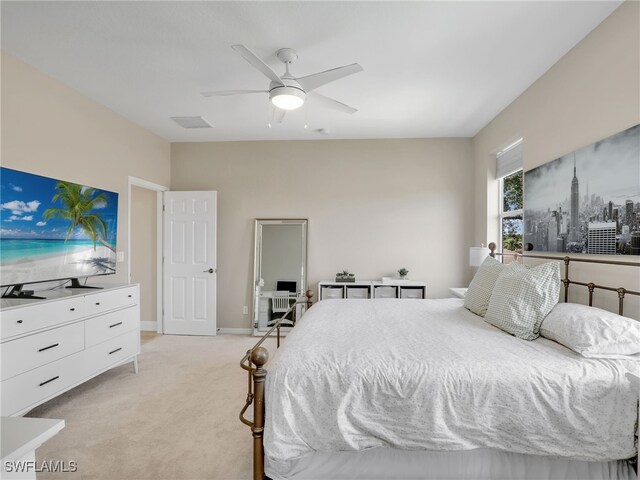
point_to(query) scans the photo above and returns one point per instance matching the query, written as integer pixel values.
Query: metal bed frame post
(256, 376)
(259, 357)
(565, 281)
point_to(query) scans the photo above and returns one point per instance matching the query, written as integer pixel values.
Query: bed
(426, 389)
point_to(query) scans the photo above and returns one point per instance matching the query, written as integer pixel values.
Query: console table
(50, 346)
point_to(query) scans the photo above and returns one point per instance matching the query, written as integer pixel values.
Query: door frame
(159, 189)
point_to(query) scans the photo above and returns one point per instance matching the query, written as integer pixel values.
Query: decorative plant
(403, 272)
(345, 275)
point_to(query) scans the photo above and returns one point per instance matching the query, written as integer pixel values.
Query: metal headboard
(622, 292)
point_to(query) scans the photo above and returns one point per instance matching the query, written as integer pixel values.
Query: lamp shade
(477, 255)
(287, 98)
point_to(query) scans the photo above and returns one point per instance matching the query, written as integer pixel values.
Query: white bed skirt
(480, 464)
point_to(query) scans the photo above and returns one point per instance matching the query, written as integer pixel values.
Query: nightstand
(458, 292)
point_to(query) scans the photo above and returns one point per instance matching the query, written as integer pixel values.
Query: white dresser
(49, 346)
(367, 289)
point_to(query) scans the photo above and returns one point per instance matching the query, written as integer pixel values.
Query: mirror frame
(257, 262)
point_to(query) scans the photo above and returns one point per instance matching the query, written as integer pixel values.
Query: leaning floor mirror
(280, 272)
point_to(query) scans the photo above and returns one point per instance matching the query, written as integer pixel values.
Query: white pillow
(479, 292)
(592, 332)
(522, 297)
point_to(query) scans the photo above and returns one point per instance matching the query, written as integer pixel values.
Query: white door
(189, 263)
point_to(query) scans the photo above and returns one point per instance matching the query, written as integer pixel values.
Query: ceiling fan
(287, 92)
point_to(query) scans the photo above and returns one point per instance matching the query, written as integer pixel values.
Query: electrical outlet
(120, 257)
(245, 310)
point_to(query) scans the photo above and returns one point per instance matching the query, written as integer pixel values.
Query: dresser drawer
(112, 352)
(30, 318)
(26, 390)
(110, 325)
(101, 302)
(26, 353)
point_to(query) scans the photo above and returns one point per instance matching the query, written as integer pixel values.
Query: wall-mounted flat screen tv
(53, 229)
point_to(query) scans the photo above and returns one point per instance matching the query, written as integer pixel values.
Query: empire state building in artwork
(574, 228)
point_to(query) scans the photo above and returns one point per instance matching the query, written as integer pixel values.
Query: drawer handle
(115, 324)
(50, 380)
(114, 351)
(97, 303)
(47, 348)
(129, 296)
(72, 309)
(19, 321)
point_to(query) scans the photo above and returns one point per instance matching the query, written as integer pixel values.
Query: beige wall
(52, 130)
(373, 206)
(143, 250)
(591, 93)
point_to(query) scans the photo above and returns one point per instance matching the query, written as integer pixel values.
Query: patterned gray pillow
(479, 292)
(522, 297)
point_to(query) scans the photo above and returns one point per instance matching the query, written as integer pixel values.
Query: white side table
(20, 438)
(458, 292)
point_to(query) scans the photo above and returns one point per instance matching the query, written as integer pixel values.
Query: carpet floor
(176, 419)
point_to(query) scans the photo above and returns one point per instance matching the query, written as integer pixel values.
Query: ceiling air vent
(192, 122)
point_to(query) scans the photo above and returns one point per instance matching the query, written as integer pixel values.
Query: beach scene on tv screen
(53, 229)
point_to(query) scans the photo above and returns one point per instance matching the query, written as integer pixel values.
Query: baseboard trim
(235, 331)
(147, 326)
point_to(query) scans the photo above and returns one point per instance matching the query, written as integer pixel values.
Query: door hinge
(163, 207)
(255, 325)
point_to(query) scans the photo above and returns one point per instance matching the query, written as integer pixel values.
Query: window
(511, 213)
(510, 175)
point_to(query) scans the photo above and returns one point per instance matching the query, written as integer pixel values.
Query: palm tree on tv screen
(78, 203)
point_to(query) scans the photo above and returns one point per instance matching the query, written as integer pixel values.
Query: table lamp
(477, 255)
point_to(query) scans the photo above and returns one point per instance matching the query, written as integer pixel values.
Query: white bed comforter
(428, 374)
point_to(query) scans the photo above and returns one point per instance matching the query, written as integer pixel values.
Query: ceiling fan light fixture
(287, 98)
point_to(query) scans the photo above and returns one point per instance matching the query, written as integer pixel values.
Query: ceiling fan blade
(257, 63)
(331, 103)
(278, 115)
(226, 93)
(311, 82)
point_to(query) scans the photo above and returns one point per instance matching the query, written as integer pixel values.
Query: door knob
(211, 270)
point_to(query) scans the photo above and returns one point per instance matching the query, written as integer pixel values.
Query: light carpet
(176, 419)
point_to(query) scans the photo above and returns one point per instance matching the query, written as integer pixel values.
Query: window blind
(509, 161)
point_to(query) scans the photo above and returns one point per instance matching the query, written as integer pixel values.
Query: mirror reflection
(280, 271)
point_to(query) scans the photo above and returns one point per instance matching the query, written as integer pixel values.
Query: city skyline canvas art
(587, 201)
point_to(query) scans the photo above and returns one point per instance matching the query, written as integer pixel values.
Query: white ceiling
(431, 69)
